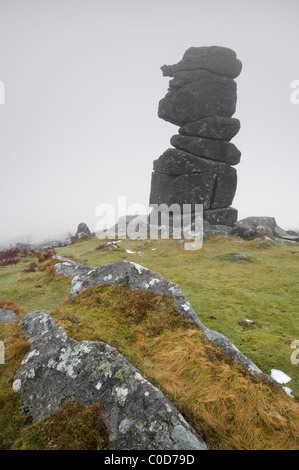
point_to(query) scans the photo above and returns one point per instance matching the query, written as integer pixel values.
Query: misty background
(82, 84)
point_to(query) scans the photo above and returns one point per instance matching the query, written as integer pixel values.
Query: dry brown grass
(229, 407)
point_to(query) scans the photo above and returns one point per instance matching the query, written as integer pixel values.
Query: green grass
(222, 292)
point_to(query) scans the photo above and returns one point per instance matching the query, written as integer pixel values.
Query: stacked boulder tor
(201, 100)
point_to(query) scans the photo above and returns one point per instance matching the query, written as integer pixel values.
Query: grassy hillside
(223, 292)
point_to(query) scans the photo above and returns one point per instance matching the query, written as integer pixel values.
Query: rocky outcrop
(7, 316)
(201, 99)
(137, 414)
(252, 226)
(140, 278)
(82, 230)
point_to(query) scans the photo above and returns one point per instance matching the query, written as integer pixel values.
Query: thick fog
(82, 79)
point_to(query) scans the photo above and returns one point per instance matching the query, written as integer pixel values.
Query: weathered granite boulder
(137, 414)
(195, 101)
(212, 127)
(252, 226)
(226, 216)
(82, 230)
(181, 177)
(7, 316)
(201, 99)
(220, 60)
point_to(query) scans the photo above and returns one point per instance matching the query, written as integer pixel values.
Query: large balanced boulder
(201, 100)
(137, 414)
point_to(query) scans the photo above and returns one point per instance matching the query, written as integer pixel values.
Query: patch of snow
(130, 252)
(288, 391)
(98, 385)
(280, 376)
(249, 321)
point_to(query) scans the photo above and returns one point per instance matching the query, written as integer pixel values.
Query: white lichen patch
(146, 394)
(124, 426)
(173, 290)
(139, 377)
(68, 361)
(108, 278)
(168, 408)
(154, 281)
(152, 427)
(105, 368)
(16, 386)
(139, 267)
(99, 385)
(51, 363)
(30, 355)
(31, 374)
(76, 285)
(121, 393)
(186, 306)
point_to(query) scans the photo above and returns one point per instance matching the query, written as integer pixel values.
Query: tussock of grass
(11, 420)
(229, 407)
(73, 427)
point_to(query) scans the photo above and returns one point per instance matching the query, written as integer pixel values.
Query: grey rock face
(218, 150)
(252, 226)
(220, 60)
(181, 177)
(82, 230)
(201, 99)
(181, 189)
(213, 127)
(71, 269)
(193, 101)
(226, 216)
(7, 316)
(137, 414)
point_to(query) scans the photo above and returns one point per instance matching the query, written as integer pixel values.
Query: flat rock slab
(7, 316)
(137, 414)
(71, 269)
(218, 150)
(212, 127)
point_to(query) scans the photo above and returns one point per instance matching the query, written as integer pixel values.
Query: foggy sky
(82, 84)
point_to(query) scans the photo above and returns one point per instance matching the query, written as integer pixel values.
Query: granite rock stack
(201, 99)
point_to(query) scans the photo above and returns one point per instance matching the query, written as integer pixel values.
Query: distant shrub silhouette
(45, 255)
(13, 255)
(31, 268)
